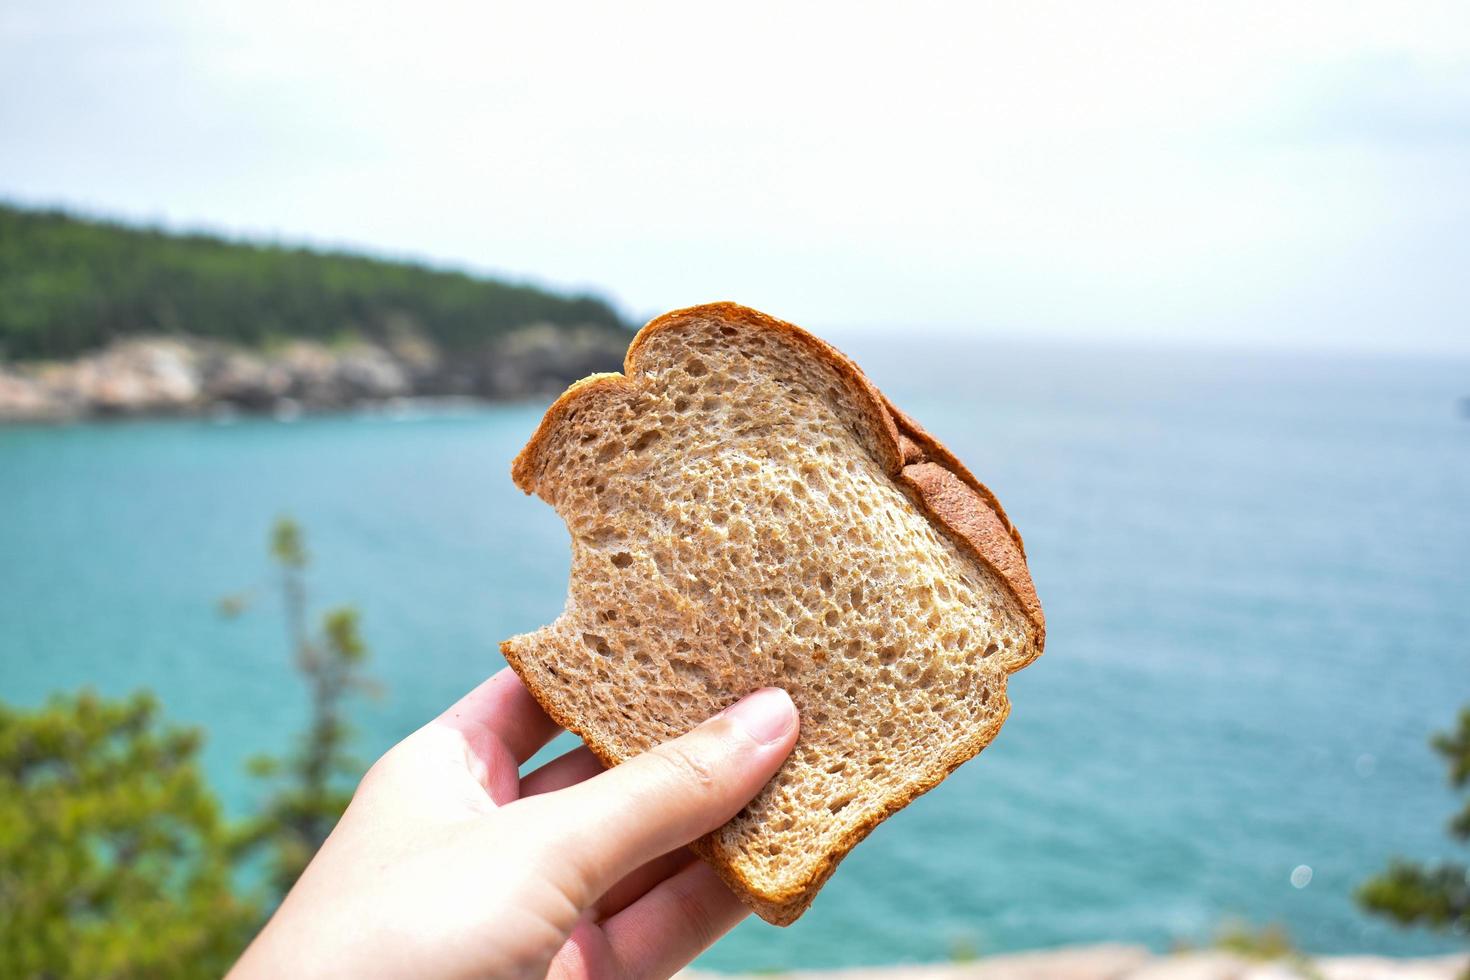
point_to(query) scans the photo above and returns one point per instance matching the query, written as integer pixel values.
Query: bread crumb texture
(746, 510)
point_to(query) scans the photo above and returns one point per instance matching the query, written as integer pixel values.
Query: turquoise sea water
(1255, 567)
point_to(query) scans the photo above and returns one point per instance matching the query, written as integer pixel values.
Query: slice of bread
(746, 509)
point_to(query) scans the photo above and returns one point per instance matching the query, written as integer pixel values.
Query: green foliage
(1437, 897)
(1431, 896)
(114, 859)
(964, 949)
(311, 786)
(1455, 747)
(1268, 942)
(68, 285)
(287, 546)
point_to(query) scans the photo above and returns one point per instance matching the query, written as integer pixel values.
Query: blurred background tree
(1433, 896)
(69, 285)
(311, 785)
(115, 860)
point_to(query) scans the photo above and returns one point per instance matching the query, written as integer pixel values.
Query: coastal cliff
(101, 318)
(184, 375)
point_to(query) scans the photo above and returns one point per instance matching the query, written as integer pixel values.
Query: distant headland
(105, 319)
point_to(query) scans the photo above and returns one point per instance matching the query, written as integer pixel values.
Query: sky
(1285, 174)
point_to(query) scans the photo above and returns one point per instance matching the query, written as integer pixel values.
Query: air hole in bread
(596, 644)
(690, 670)
(837, 805)
(622, 560)
(991, 650)
(695, 368)
(647, 439)
(603, 535)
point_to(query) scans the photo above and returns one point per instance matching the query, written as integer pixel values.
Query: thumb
(663, 799)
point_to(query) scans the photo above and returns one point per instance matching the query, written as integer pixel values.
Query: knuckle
(688, 763)
(695, 914)
(379, 773)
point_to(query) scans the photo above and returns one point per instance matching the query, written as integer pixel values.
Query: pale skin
(448, 863)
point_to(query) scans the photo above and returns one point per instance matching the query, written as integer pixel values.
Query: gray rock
(1114, 962)
(25, 399)
(185, 375)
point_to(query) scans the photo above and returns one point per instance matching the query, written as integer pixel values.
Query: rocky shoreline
(1116, 962)
(188, 376)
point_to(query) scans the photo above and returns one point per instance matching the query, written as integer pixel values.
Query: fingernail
(766, 715)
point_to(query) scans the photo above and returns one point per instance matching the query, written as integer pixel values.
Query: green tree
(311, 785)
(70, 284)
(115, 861)
(1431, 896)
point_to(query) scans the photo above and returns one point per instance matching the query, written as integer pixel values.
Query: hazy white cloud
(1237, 172)
(1383, 101)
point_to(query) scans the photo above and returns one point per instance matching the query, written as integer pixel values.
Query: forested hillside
(69, 285)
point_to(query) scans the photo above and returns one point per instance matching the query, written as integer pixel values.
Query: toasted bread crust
(953, 500)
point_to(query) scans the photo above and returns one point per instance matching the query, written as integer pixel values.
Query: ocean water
(1255, 567)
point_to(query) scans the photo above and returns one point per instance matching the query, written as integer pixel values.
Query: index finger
(501, 708)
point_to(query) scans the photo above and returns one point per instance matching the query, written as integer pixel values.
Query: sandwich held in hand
(747, 510)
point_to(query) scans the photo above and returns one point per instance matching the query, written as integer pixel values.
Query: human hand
(448, 864)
